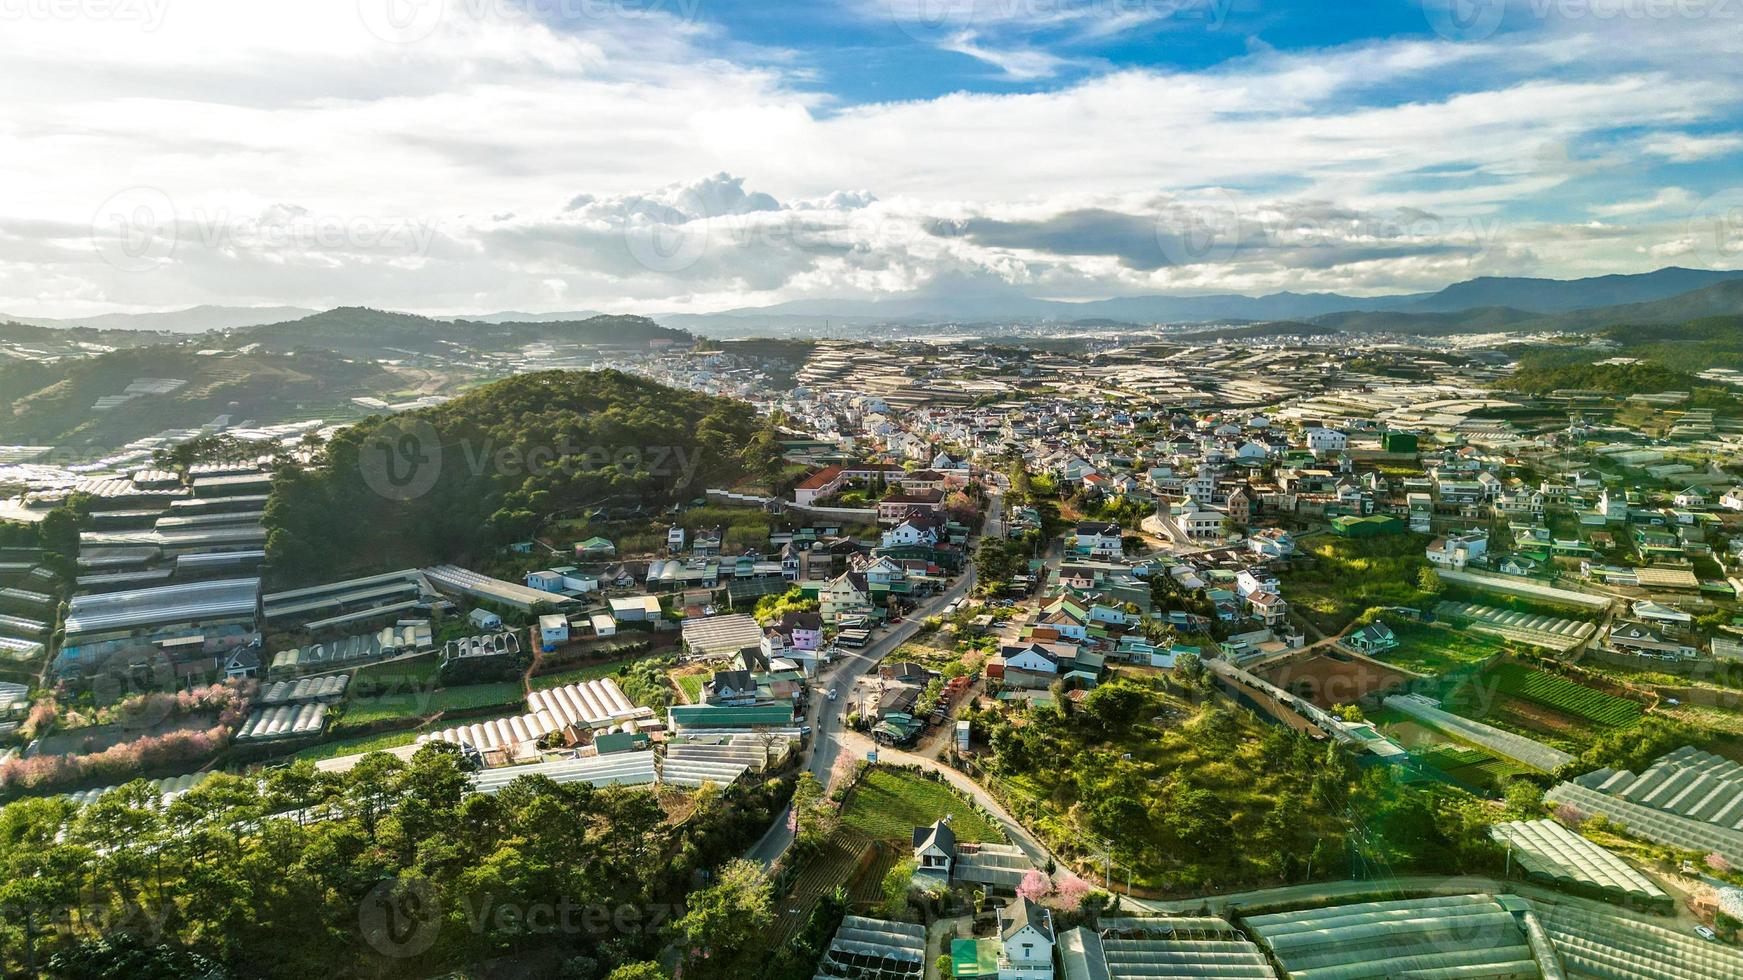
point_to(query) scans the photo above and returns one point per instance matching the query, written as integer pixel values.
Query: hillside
(56, 404)
(366, 332)
(1480, 320)
(490, 467)
(1565, 295)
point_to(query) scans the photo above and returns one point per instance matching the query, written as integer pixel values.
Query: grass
(889, 803)
(1429, 649)
(380, 741)
(691, 685)
(423, 704)
(590, 672)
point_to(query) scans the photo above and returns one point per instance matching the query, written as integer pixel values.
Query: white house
(545, 581)
(1025, 942)
(909, 533)
(553, 630)
(934, 849)
(1457, 550)
(1321, 439)
(484, 619)
(675, 539)
(1098, 539)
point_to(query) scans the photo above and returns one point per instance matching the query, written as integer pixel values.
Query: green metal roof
(712, 716)
(974, 958)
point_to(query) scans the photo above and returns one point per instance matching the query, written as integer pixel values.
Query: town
(1189, 570)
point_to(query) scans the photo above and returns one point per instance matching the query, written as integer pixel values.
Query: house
(1648, 640)
(1097, 539)
(908, 533)
(545, 581)
(934, 849)
(243, 662)
(846, 597)
(1026, 941)
(674, 539)
(595, 548)
(1327, 440)
(730, 687)
(1032, 666)
(553, 630)
(1455, 551)
(897, 506)
(1271, 543)
(1268, 607)
(1376, 637)
(484, 619)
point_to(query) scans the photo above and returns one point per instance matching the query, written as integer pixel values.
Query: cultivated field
(889, 803)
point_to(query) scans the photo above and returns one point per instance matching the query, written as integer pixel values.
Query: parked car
(1707, 934)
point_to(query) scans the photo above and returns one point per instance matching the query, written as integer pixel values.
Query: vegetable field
(1565, 696)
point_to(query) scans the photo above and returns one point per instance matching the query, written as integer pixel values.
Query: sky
(472, 156)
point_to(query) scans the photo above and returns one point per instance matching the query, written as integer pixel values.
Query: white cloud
(501, 162)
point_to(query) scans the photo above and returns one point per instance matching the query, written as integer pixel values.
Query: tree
(895, 888)
(1034, 886)
(1428, 580)
(637, 971)
(724, 925)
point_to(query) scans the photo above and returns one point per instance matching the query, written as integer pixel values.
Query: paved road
(828, 719)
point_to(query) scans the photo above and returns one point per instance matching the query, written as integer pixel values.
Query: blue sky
(671, 155)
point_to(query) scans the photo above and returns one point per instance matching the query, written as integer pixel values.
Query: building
(1323, 440)
(1097, 539)
(553, 630)
(484, 619)
(1026, 939)
(1376, 637)
(1455, 551)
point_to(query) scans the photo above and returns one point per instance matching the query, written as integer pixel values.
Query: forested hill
(383, 333)
(487, 469)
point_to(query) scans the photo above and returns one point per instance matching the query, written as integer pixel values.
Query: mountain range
(1485, 303)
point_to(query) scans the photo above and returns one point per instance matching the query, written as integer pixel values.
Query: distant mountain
(1487, 303)
(1563, 295)
(194, 319)
(365, 332)
(517, 317)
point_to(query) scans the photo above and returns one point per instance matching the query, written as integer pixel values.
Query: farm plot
(1565, 696)
(842, 861)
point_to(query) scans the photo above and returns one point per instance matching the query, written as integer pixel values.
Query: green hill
(54, 404)
(489, 468)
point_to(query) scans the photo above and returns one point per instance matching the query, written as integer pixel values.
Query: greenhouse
(873, 949)
(1130, 949)
(284, 721)
(1594, 943)
(1546, 851)
(618, 769)
(1687, 799)
(1459, 935)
